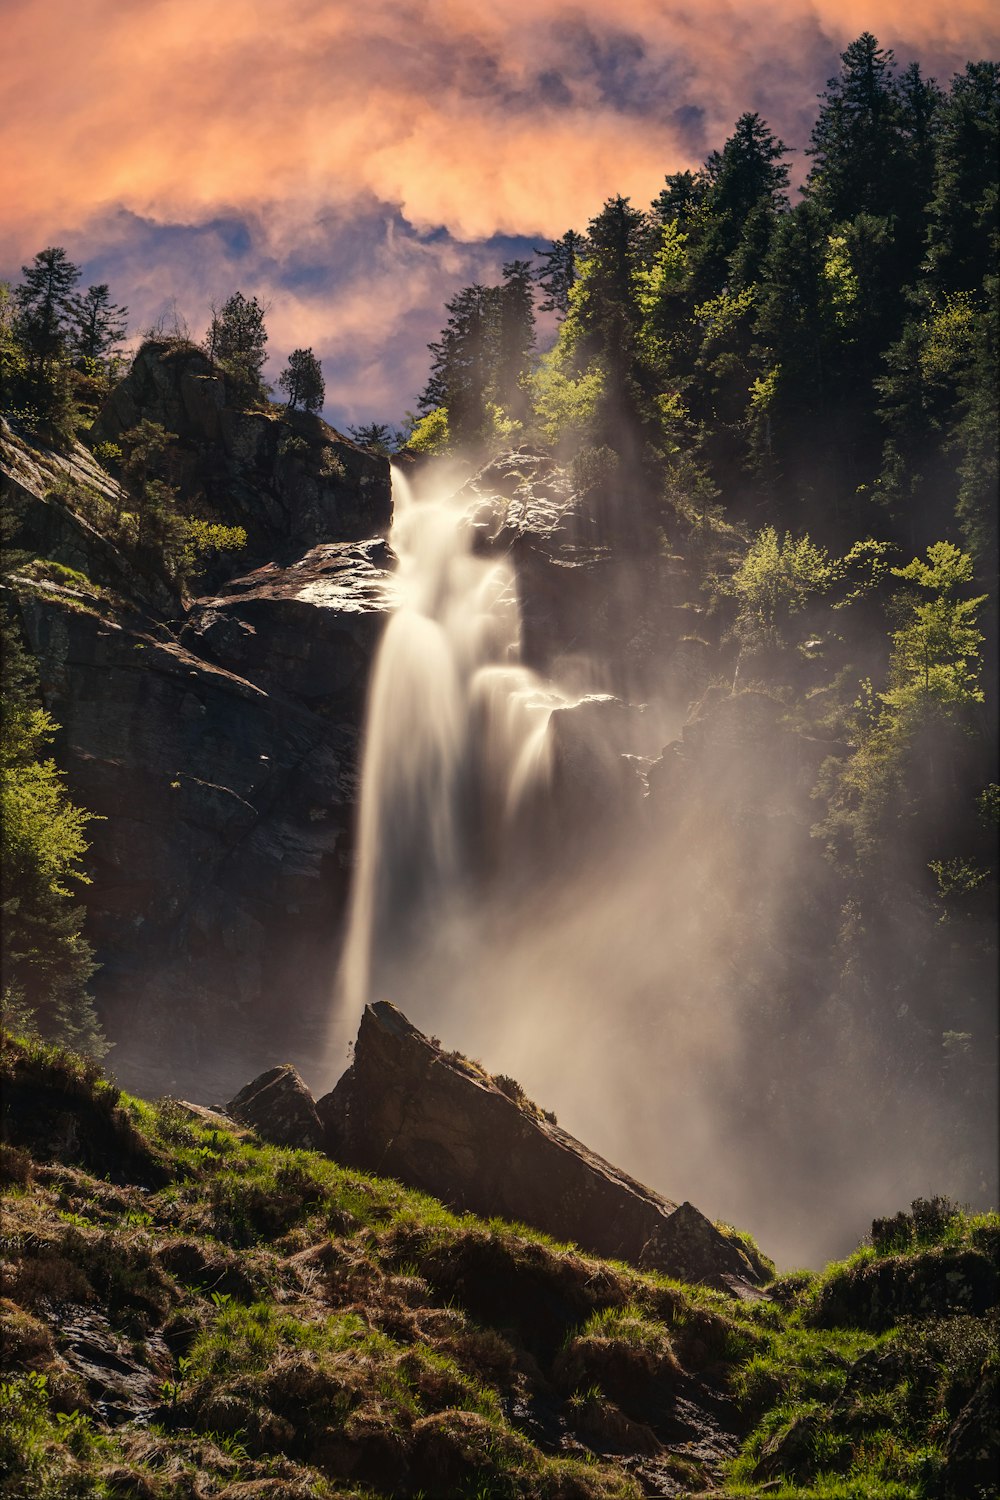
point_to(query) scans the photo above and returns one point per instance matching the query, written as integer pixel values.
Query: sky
(355, 165)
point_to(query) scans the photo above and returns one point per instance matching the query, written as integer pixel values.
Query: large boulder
(280, 1108)
(439, 1123)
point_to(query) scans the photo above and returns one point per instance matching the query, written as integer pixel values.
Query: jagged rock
(594, 780)
(592, 611)
(310, 628)
(737, 757)
(408, 1110)
(288, 477)
(280, 1108)
(48, 528)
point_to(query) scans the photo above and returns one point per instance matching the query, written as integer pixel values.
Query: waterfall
(455, 743)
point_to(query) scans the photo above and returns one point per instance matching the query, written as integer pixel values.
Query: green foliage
(774, 581)
(46, 962)
(211, 536)
(302, 380)
(363, 1317)
(564, 405)
(237, 340)
(108, 455)
(430, 433)
(936, 659)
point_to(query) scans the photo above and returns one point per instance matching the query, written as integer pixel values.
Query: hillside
(191, 1312)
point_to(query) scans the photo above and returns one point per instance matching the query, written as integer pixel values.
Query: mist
(651, 944)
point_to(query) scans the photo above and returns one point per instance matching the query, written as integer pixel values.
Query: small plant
(108, 455)
(332, 466)
(293, 445)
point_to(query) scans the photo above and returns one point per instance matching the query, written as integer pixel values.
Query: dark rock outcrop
(288, 477)
(222, 861)
(972, 1444)
(280, 1108)
(309, 629)
(408, 1110)
(217, 742)
(937, 1284)
(594, 611)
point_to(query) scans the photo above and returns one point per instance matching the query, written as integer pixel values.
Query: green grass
(346, 1335)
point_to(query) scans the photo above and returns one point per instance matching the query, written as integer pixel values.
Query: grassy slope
(188, 1312)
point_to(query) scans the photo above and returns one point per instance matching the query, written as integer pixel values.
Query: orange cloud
(478, 117)
(299, 120)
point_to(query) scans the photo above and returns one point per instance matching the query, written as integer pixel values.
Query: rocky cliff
(286, 476)
(216, 739)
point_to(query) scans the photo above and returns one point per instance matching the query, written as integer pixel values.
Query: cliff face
(215, 739)
(288, 477)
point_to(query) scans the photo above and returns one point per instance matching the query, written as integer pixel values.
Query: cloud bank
(345, 161)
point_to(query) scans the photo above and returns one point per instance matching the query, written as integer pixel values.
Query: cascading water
(455, 749)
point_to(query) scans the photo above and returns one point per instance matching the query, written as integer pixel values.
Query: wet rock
(310, 628)
(408, 1110)
(121, 1387)
(595, 782)
(280, 1108)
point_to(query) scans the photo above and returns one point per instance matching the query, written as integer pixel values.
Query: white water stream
(455, 749)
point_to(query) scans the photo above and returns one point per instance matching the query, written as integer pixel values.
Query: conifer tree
(746, 178)
(857, 143)
(99, 324)
(463, 363)
(302, 380)
(963, 232)
(44, 301)
(237, 339)
(558, 272)
(515, 338)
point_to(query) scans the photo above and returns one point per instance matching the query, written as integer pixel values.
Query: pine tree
(463, 363)
(302, 380)
(962, 240)
(609, 314)
(746, 179)
(44, 301)
(379, 437)
(558, 273)
(237, 340)
(515, 338)
(857, 142)
(99, 325)
(681, 201)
